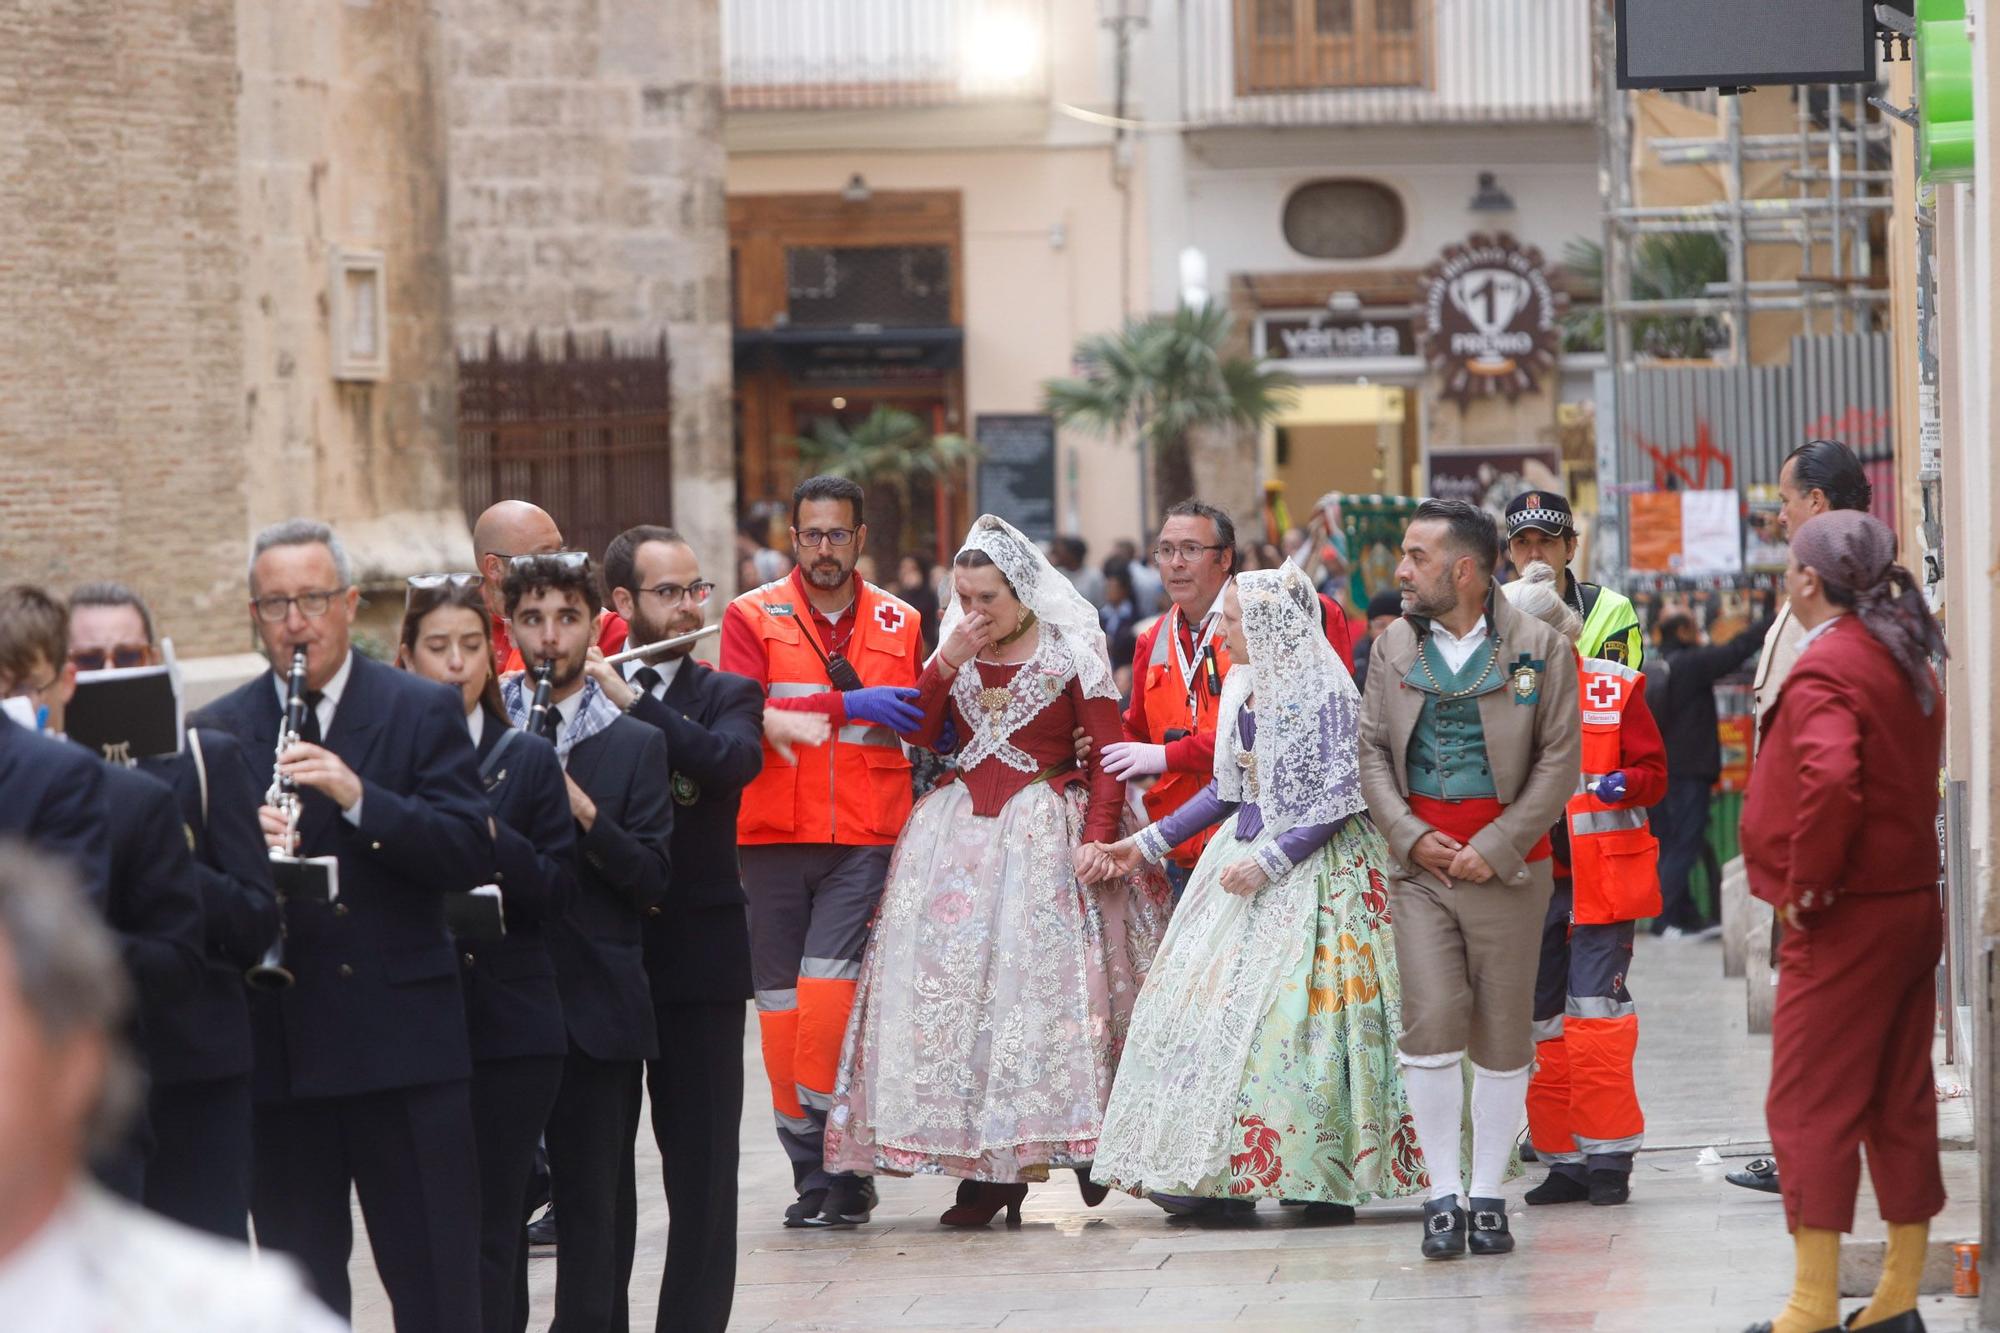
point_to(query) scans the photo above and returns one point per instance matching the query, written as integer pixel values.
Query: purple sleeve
(1301, 842)
(1205, 810)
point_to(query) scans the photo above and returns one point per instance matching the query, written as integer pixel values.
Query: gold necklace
(1492, 656)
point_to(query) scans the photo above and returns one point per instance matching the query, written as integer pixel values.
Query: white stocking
(1437, 1103)
(1499, 1109)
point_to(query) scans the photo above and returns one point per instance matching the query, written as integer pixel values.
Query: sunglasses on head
(432, 583)
(97, 659)
(569, 562)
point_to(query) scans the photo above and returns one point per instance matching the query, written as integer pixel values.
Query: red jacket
(1844, 794)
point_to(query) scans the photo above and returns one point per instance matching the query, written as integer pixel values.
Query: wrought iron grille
(887, 286)
(584, 432)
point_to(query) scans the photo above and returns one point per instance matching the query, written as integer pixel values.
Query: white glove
(1134, 759)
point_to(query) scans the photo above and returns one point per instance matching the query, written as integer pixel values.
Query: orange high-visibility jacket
(1166, 708)
(855, 789)
(1614, 858)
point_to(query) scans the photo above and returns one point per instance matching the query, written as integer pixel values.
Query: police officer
(1541, 526)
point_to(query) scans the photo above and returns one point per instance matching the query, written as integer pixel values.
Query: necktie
(646, 679)
(309, 725)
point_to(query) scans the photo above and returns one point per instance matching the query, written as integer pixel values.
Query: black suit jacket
(512, 1007)
(377, 1003)
(698, 940)
(155, 902)
(598, 941)
(208, 1035)
(52, 796)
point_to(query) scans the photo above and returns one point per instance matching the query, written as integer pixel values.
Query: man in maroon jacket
(1839, 836)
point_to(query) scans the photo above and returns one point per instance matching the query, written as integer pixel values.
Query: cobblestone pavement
(1690, 1252)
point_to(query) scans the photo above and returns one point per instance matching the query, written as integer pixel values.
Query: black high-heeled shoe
(1092, 1192)
(988, 1200)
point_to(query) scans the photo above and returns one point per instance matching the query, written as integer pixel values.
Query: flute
(663, 645)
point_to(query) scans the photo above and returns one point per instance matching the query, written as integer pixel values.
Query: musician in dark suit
(614, 769)
(511, 1006)
(362, 1064)
(51, 794)
(198, 1051)
(152, 900)
(698, 940)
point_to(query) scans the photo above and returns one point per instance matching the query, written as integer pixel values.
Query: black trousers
(1686, 828)
(199, 1174)
(696, 1088)
(589, 1135)
(408, 1153)
(510, 1104)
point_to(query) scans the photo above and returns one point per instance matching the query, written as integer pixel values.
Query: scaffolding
(1838, 191)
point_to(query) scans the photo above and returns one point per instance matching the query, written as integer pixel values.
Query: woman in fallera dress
(1262, 1057)
(996, 989)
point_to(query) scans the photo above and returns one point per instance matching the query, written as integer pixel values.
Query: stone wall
(121, 436)
(344, 149)
(587, 194)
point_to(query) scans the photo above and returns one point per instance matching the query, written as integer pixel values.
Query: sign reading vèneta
(1490, 318)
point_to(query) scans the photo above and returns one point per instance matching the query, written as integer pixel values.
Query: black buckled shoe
(1489, 1233)
(1444, 1229)
(1907, 1322)
(1761, 1174)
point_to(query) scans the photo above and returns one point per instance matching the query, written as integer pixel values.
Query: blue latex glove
(1610, 788)
(891, 706)
(947, 740)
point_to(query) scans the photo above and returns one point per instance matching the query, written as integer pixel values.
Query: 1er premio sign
(1744, 43)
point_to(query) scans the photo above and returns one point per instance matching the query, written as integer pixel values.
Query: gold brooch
(995, 699)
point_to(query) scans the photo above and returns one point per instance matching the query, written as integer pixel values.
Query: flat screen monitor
(1744, 43)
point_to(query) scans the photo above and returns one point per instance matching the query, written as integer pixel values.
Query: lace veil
(1068, 622)
(1307, 763)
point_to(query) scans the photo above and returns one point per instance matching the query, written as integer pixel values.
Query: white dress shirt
(329, 701)
(1456, 651)
(475, 722)
(667, 669)
(101, 1265)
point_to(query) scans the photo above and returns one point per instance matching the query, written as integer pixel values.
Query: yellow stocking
(1902, 1270)
(1815, 1303)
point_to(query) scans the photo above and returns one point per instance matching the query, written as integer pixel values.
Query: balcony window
(1294, 45)
(885, 286)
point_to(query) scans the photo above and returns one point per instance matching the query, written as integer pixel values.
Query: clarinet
(270, 972)
(538, 711)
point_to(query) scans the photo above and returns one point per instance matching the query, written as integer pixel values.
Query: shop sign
(1324, 337)
(1490, 318)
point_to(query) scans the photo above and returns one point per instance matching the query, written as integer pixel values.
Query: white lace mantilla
(1061, 613)
(1039, 682)
(1304, 766)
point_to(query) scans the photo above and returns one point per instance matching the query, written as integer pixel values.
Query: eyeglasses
(312, 605)
(697, 592)
(1188, 552)
(123, 657)
(436, 582)
(569, 562)
(832, 536)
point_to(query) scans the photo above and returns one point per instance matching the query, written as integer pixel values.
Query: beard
(566, 670)
(1430, 602)
(646, 630)
(827, 572)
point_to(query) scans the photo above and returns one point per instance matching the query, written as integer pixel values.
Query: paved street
(1689, 1253)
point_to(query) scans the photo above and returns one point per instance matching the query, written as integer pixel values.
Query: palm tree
(1663, 267)
(1160, 378)
(890, 451)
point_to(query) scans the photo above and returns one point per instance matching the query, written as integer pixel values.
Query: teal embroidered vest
(1447, 755)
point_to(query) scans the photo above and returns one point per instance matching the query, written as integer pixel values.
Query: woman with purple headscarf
(1839, 837)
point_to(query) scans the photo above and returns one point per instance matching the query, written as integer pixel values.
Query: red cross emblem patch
(889, 616)
(1601, 693)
